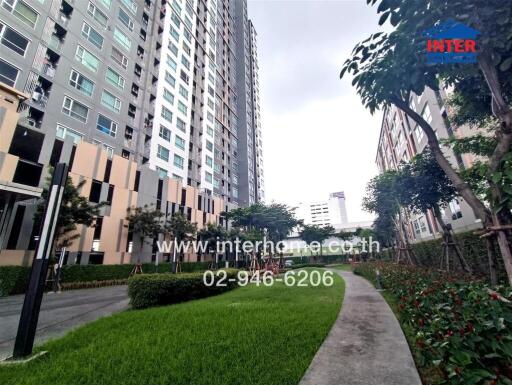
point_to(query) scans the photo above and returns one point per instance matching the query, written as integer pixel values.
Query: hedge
(147, 290)
(301, 265)
(457, 327)
(14, 279)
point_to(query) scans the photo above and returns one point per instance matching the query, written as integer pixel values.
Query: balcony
(39, 90)
(30, 116)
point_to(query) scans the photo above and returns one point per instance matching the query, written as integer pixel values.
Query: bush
(13, 279)
(147, 290)
(301, 265)
(458, 326)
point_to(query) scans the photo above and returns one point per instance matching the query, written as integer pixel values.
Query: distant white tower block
(337, 207)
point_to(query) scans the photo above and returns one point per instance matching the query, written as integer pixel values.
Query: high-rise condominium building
(332, 212)
(153, 84)
(401, 138)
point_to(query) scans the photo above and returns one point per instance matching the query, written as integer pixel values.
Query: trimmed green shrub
(147, 290)
(13, 279)
(301, 265)
(458, 327)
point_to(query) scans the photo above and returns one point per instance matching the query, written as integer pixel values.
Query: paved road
(60, 312)
(366, 345)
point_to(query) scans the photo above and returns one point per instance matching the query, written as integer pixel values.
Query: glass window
(173, 48)
(208, 177)
(174, 33)
(176, 19)
(185, 62)
(75, 109)
(131, 4)
(114, 78)
(161, 172)
(122, 39)
(125, 19)
(209, 161)
(106, 125)
(178, 161)
(165, 133)
(183, 92)
(182, 108)
(180, 124)
(13, 40)
(110, 101)
(235, 192)
(106, 3)
(180, 142)
(8, 73)
(81, 83)
(162, 153)
(168, 96)
(171, 63)
(21, 10)
(119, 57)
(87, 58)
(216, 183)
(92, 35)
(97, 15)
(64, 132)
(209, 145)
(170, 79)
(166, 114)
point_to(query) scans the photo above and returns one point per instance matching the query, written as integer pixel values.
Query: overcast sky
(317, 137)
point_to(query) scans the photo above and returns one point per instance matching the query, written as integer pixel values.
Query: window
(8, 73)
(125, 19)
(178, 161)
(119, 57)
(81, 83)
(182, 108)
(209, 130)
(187, 35)
(184, 76)
(162, 153)
(106, 3)
(13, 40)
(173, 48)
(166, 114)
(114, 78)
(216, 183)
(209, 145)
(210, 104)
(122, 39)
(64, 132)
(180, 124)
(186, 48)
(209, 117)
(426, 114)
(75, 109)
(177, 177)
(131, 4)
(209, 161)
(97, 15)
(179, 142)
(161, 172)
(175, 34)
(183, 92)
(165, 133)
(175, 19)
(106, 125)
(185, 62)
(87, 58)
(92, 35)
(419, 133)
(208, 177)
(171, 63)
(234, 192)
(170, 79)
(168, 96)
(111, 101)
(455, 209)
(21, 10)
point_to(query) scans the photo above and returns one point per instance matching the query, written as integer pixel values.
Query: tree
(211, 235)
(180, 229)
(386, 70)
(144, 222)
(75, 210)
(316, 234)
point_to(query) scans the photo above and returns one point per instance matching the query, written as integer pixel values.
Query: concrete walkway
(365, 346)
(60, 312)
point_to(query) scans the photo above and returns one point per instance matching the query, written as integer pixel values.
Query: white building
(331, 212)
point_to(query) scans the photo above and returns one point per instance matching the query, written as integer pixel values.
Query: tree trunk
(491, 258)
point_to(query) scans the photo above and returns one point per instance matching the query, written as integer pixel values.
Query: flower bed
(458, 328)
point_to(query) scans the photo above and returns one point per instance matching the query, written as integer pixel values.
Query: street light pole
(34, 295)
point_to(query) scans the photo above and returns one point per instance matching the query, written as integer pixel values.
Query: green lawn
(342, 266)
(252, 335)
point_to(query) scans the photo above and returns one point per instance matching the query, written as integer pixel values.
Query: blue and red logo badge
(451, 42)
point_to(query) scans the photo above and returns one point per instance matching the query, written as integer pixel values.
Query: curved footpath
(365, 346)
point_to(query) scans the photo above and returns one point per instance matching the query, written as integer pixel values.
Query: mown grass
(252, 335)
(342, 266)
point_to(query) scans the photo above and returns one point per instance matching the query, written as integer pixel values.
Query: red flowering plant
(457, 324)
